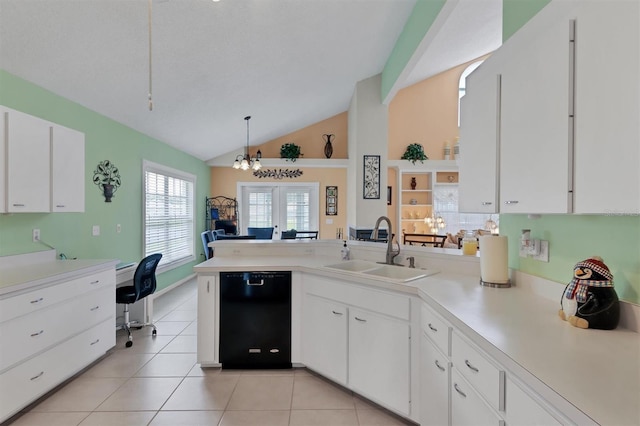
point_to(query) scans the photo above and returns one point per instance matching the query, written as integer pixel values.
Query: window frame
(150, 166)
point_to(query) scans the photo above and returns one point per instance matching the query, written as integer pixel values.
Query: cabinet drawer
(482, 374)
(29, 302)
(523, 410)
(26, 336)
(467, 407)
(436, 328)
(21, 385)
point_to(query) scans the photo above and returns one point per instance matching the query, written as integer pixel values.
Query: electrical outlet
(118, 228)
(95, 231)
(36, 235)
(543, 254)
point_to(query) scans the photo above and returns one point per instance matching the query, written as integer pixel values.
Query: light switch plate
(95, 231)
(543, 255)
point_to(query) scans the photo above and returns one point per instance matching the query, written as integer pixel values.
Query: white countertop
(22, 277)
(596, 371)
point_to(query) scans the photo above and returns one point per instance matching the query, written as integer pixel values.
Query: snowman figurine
(589, 300)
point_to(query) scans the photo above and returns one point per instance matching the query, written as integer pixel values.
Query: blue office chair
(261, 233)
(144, 284)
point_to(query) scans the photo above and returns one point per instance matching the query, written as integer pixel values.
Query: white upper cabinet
(28, 168)
(607, 147)
(67, 170)
(479, 144)
(534, 132)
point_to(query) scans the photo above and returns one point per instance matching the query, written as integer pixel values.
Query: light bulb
(257, 165)
(236, 164)
(245, 164)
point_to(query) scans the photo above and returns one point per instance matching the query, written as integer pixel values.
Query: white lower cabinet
(208, 328)
(435, 371)
(523, 410)
(467, 407)
(51, 333)
(325, 337)
(379, 349)
(361, 338)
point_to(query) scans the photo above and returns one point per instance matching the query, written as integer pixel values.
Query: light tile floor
(157, 382)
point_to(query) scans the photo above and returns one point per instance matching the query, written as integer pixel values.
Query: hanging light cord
(150, 58)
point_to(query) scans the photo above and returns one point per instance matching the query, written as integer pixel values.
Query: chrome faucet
(391, 253)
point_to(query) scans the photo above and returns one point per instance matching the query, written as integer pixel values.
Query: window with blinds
(168, 214)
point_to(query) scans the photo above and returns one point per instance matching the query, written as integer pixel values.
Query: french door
(283, 206)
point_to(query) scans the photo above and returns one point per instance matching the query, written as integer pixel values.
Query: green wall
(421, 18)
(516, 13)
(572, 238)
(105, 139)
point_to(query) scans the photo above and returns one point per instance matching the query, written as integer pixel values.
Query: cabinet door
(534, 140)
(67, 170)
(607, 151)
(4, 116)
(208, 326)
(434, 384)
(522, 410)
(479, 121)
(467, 407)
(28, 163)
(379, 349)
(325, 337)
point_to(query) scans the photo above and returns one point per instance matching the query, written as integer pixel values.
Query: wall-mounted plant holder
(107, 177)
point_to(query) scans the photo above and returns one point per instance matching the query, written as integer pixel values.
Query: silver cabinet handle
(441, 368)
(94, 342)
(37, 376)
(95, 308)
(455, 386)
(486, 203)
(37, 333)
(18, 205)
(471, 367)
(37, 300)
(60, 205)
(336, 313)
(94, 282)
(511, 202)
(432, 328)
(207, 286)
(256, 283)
(360, 319)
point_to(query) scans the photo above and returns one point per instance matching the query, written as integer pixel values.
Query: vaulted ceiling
(287, 63)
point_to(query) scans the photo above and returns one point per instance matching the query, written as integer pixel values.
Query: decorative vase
(328, 148)
(108, 192)
(413, 183)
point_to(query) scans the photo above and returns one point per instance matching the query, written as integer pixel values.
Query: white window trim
(169, 171)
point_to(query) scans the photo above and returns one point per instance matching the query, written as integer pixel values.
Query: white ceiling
(287, 63)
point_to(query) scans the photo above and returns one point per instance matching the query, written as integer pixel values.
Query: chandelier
(435, 223)
(245, 162)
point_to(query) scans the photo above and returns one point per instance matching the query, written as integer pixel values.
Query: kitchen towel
(494, 266)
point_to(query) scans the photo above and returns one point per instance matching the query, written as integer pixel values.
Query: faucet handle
(412, 261)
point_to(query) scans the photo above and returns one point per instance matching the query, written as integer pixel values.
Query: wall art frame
(371, 178)
(332, 201)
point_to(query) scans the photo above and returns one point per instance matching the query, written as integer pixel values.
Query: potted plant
(290, 151)
(107, 177)
(414, 152)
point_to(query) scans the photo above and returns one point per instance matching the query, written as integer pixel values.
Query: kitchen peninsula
(531, 366)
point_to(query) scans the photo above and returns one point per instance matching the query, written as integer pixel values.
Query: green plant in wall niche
(107, 177)
(290, 151)
(414, 152)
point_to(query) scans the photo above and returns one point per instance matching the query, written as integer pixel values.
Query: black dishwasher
(255, 319)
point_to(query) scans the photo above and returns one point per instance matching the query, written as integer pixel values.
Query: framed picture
(389, 195)
(332, 200)
(371, 182)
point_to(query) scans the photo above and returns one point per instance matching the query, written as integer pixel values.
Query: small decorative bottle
(456, 149)
(447, 150)
(413, 183)
(345, 252)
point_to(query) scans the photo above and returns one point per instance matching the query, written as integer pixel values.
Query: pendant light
(245, 162)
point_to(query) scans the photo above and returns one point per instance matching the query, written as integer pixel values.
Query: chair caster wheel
(128, 344)
(154, 333)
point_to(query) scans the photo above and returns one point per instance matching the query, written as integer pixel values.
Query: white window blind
(168, 214)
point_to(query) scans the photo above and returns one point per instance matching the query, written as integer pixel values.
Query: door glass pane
(298, 209)
(260, 209)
